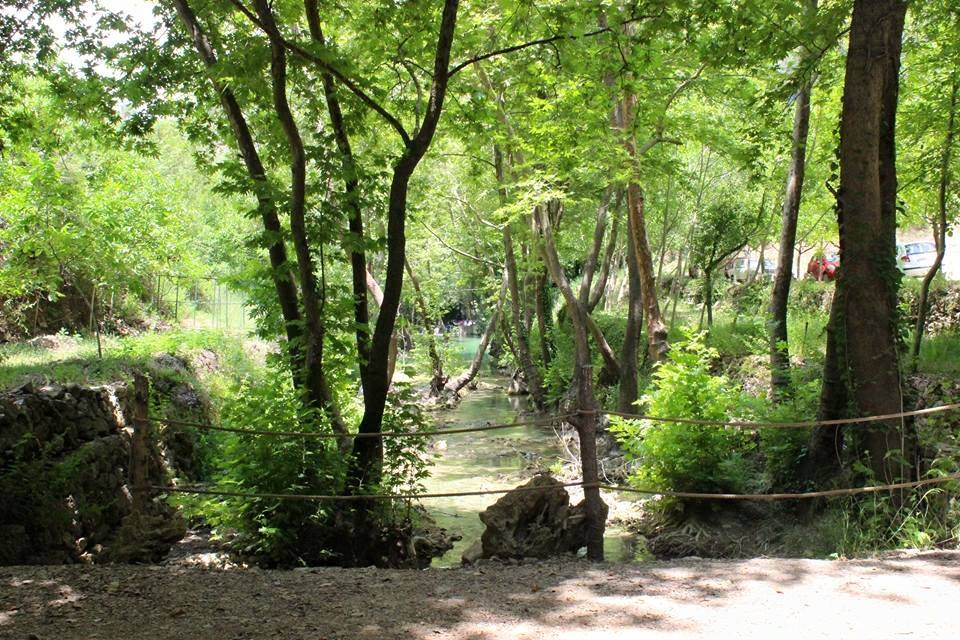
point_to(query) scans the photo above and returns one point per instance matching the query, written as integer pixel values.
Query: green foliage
(86, 218)
(278, 532)
(688, 457)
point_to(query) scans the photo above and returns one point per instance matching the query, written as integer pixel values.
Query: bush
(279, 532)
(688, 457)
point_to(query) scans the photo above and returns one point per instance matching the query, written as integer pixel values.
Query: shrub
(688, 457)
(279, 532)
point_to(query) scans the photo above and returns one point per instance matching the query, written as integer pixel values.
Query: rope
(738, 424)
(806, 495)
(382, 434)
(586, 485)
(741, 424)
(362, 496)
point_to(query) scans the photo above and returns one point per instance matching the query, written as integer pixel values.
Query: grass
(76, 359)
(940, 354)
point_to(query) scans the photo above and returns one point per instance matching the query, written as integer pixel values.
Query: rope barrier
(381, 434)
(806, 495)
(362, 496)
(738, 424)
(742, 424)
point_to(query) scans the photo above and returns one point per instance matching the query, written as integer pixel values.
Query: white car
(742, 269)
(916, 258)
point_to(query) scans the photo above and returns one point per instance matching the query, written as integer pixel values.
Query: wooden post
(176, 302)
(140, 443)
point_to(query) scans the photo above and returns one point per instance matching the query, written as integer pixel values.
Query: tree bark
(437, 380)
(629, 392)
(319, 394)
(583, 378)
(864, 318)
(368, 451)
(939, 229)
(779, 349)
(657, 345)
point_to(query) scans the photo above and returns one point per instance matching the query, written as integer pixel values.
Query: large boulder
(534, 520)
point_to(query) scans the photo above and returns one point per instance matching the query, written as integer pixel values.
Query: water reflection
(494, 460)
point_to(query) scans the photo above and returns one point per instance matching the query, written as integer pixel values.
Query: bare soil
(906, 596)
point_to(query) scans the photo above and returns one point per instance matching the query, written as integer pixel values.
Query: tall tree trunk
(657, 345)
(779, 350)
(939, 228)
(437, 380)
(586, 422)
(543, 319)
(368, 451)
(628, 392)
(864, 319)
(280, 271)
(351, 201)
(521, 339)
(319, 394)
(459, 382)
(600, 287)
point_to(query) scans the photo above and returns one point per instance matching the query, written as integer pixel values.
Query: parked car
(823, 267)
(916, 258)
(742, 269)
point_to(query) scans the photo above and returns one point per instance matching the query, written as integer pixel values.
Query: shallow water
(492, 460)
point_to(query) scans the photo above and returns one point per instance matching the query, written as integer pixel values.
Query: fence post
(176, 302)
(140, 443)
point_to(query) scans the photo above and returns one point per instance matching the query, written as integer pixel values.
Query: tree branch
(539, 42)
(332, 70)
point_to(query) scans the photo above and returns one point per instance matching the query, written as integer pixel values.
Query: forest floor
(909, 595)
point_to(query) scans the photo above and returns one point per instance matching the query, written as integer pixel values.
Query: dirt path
(906, 597)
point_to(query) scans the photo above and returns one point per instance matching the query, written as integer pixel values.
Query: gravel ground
(909, 596)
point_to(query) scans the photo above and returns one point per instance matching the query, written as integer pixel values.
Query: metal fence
(201, 303)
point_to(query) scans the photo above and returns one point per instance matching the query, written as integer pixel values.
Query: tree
(862, 366)
(779, 349)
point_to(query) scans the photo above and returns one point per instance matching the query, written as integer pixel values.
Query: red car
(824, 267)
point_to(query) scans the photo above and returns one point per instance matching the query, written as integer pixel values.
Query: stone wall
(64, 494)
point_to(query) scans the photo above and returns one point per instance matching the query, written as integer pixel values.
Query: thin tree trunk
(373, 287)
(600, 287)
(266, 205)
(779, 349)
(351, 201)
(521, 339)
(438, 379)
(319, 394)
(665, 230)
(940, 229)
(596, 509)
(629, 392)
(599, 231)
(457, 383)
(368, 451)
(543, 319)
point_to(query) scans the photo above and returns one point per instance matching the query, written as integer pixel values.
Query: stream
(488, 460)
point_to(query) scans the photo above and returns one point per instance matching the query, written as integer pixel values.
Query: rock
(52, 341)
(473, 553)
(532, 524)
